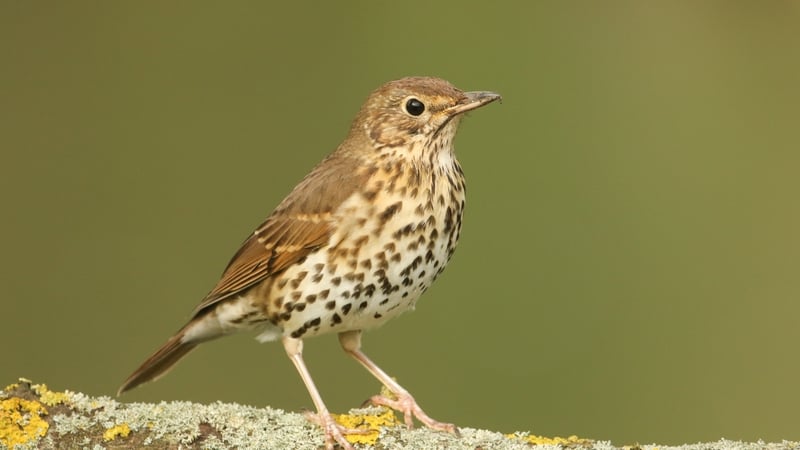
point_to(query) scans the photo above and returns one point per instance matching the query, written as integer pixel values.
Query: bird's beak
(473, 100)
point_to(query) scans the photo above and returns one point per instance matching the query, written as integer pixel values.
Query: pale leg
(333, 431)
(404, 402)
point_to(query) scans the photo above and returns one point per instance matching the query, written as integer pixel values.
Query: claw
(397, 397)
(406, 404)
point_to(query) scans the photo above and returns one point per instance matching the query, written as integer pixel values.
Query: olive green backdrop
(629, 262)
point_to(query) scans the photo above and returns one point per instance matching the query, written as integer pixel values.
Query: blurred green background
(628, 268)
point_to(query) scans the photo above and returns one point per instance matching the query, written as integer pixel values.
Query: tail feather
(224, 318)
(160, 362)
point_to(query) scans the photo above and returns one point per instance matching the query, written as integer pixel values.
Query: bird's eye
(415, 107)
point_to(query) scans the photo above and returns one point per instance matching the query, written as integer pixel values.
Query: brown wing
(275, 245)
(301, 224)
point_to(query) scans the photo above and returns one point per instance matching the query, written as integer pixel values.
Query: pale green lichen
(78, 421)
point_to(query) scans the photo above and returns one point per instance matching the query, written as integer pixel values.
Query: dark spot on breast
(286, 316)
(346, 308)
(448, 220)
(390, 211)
(300, 307)
(429, 256)
(369, 290)
(296, 295)
(386, 286)
(318, 267)
(367, 264)
(378, 315)
(282, 283)
(336, 281)
(453, 197)
(277, 302)
(314, 322)
(300, 276)
(336, 319)
(409, 268)
(390, 247)
(324, 294)
(288, 306)
(384, 301)
(330, 305)
(363, 305)
(311, 298)
(405, 231)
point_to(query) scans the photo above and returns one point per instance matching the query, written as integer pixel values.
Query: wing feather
(300, 225)
(265, 254)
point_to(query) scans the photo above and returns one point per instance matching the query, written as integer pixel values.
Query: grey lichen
(77, 421)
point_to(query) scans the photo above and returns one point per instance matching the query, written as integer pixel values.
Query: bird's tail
(207, 324)
(160, 362)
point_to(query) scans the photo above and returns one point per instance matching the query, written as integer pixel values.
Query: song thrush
(355, 244)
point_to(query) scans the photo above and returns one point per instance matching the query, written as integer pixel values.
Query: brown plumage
(354, 244)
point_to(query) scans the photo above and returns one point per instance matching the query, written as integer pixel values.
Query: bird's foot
(334, 432)
(405, 403)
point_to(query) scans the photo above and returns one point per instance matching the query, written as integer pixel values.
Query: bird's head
(415, 111)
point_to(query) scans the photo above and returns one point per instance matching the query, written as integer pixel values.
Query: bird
(353, 245)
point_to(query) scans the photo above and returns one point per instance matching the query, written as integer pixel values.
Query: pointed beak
(473, 100)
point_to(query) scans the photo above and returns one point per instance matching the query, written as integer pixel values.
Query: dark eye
(415, 107)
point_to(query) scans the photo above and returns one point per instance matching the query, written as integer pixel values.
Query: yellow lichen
(116, 431)
(49, 397)
(541, 440)
(21, 421)
(369, 425)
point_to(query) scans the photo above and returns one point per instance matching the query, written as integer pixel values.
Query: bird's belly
(375, 272)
